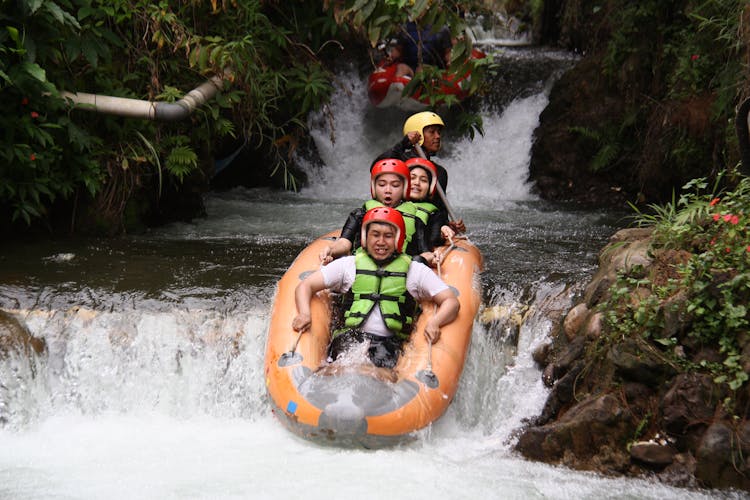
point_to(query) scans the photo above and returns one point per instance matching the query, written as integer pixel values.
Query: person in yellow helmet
(424, 128)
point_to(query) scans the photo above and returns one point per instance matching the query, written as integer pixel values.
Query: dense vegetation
(701, 302)
(660, 80)
(56, 163)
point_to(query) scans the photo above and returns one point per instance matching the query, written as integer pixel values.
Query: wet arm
(446, 312)
(339, 248)
(302, 296)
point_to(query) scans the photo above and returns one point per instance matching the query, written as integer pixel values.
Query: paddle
(427, 376)
(292, 357)
(440, 191)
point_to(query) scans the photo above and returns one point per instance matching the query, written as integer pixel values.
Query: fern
(605, 157)
(181, 161)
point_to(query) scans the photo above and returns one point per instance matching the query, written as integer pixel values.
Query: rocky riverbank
(629, 405)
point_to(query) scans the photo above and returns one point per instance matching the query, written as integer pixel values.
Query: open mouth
(380, 251)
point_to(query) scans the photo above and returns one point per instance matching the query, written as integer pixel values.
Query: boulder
(15, 337)
(634, 361)
(598, 422)
(722, 458)
(654, 455)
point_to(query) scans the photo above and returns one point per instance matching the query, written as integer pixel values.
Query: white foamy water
(165, 406)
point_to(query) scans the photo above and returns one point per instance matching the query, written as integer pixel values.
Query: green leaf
(374, 34)
(56, 11)
(666, 341)
(13, 32)
(90, 52)
(181, 161)
(32, 5)
(34, 70)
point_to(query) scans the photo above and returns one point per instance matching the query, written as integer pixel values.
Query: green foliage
(608, 141)
(181, 161)
(714, 227)
(706, 53)
(680, 68)
(310, 85)
(627, 315)
(44, 155)
(718, 277)
(143, 50)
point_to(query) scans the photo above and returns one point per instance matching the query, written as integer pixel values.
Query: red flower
(748, 248)
(714, 201)
(34, 114)
(694, 57)
(713, 241)
(734, 220)
(717, 217)
(727, 217)
(727, 249)
(32, 157)
(24, 101)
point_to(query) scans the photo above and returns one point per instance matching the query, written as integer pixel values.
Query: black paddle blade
(428, 378)
(290, 358)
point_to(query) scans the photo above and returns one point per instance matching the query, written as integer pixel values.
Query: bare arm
(337, 249)
(447, 310)
(302, 297)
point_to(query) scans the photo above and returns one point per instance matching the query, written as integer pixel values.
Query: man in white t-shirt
(384, 286)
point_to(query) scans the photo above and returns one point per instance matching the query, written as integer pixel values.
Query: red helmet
(429, 167)
(386, 215)
(390, 166)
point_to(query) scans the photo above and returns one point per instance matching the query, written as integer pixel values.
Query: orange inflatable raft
(361, 405)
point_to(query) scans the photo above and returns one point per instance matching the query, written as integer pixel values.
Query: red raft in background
(386, 90)
(357, 404)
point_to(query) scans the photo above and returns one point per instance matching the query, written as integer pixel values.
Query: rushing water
(152, 385)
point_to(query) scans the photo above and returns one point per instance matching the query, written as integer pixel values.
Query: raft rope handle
(446, 252)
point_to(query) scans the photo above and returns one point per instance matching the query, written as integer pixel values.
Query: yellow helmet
(417, 122)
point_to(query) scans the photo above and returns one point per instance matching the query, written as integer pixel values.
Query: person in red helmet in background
(389, 186)
(383, 287)
(425, 129)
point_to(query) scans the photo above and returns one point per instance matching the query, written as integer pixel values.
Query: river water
(152, 385)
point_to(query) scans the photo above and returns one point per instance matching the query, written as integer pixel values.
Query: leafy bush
(714, 228)
(142, 50)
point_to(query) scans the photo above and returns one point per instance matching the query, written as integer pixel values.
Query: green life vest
(384, 286)
(409, 213)
(424, 209)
